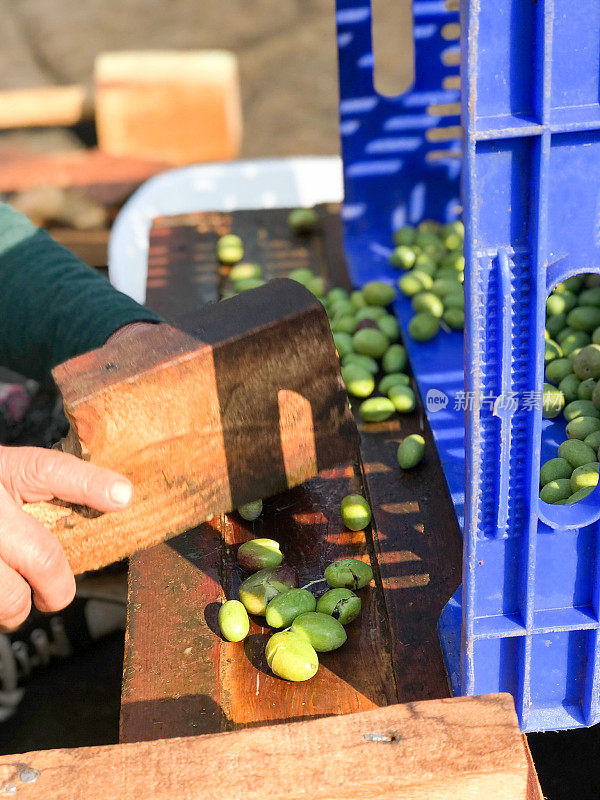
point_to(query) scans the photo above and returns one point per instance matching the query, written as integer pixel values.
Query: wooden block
(251, 404)
(46, 106)
(179, 107)
(468, 748)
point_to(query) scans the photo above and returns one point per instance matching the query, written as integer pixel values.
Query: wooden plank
(200, 422)
(468, 748)
(108, 179)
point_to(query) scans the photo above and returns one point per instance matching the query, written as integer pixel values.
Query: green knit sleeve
(52, 306)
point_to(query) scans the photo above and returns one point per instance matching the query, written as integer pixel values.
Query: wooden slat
(467, 748)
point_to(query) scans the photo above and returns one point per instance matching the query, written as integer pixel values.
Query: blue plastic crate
(526, 619)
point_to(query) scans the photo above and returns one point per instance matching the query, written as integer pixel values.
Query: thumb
(32, 473)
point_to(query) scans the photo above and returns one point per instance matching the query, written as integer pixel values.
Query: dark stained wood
(467, 748)
(201, 423)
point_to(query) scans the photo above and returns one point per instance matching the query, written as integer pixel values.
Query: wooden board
(202, 422)
(414, 545)
(467, 748)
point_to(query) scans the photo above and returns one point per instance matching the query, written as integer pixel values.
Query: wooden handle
(47, 106)
(252, 404)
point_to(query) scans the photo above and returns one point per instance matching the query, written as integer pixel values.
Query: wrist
(131, 328)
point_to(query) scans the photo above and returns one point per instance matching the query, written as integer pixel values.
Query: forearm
(52, 306)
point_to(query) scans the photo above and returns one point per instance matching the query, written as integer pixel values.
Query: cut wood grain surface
(467, 748)
(393, 654)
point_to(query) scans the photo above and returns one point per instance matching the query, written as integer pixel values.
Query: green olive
(356, 512)
(259, 554)
(429, 303)
(403, 257)
(341, 604)
(553, 401)
(259, 589)
(581, 427)
(303, 220)
(584, 318)
(586, 363)
(370, 342)
(558, 369)
(230, 249)
(394, 359)
(584, 476)
(403, 398)
(233, 621)
(365, 362)
(359, 382)
(291, 656)
(554, 491)
(251, 511)
(370, 312)
(405, 235)
(454, 318)
(575, 498)
(555, 469)
(388, 325)
(343, 344)
(377, 293)
(284, 608)
(423, 327)
(349, 573)
(302, 275)
(576, 452)
(414, 282)
(322, 631)
(411, 451)
(245, 270)
(580, 408)
(376, 409)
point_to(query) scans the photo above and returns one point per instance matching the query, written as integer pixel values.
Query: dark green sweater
(52, 306)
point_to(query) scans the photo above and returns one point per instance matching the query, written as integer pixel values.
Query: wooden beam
(468, 748)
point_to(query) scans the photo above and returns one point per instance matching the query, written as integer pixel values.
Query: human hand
(31, 558)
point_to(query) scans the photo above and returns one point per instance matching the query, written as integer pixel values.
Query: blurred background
(285, 51)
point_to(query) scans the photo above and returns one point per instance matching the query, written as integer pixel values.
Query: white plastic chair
(269, 183)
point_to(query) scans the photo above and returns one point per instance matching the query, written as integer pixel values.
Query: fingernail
(121, 492)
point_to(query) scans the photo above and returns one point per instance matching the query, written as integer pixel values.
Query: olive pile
(572, 388)
(432, 256)
(309, 626)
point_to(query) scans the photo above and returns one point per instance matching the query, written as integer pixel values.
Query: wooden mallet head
(245, 403)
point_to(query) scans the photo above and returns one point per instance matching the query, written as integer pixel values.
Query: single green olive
(403, 398)
(411, 451)
(322, 631)
(370, 342)
(303, 220)
(259, 554)
(394, 359)
(284, 608)
(423, 327)
(349, 573)
(366, 362)
(233, 621)
(251, 511)
(341, 604)
(376, 409)
(245, 270)
(377, 293)
(230, 249)
(257, 591)
(247, 284)
(302, 275)
(356, 512)
(291, 656)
